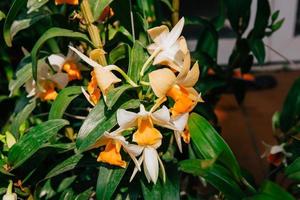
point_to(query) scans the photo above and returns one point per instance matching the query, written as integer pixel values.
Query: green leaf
(114, 94)
(21, 117)
(108, 181)
(291, 108)
(277, 25)
(208, 39)
(98, 6)
(118, 53)
(215, 174)
(64, 98)
(161, 190)
(66, 183)
(22, 76)
(85, 195)
(33, 5)
(52, 33)
(293, 170)
(19, 25)
(209, 144)
(32, 141)
(12, 14)
(97, 122)
(137, 58)
(262, 19)
(65, 166)
(272, 191)
(2, 15)
(258, 48)
(219, 21)
(238, 13)
(275, 15)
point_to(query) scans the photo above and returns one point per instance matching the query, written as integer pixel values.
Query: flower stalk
(146, 64)
(126, 77)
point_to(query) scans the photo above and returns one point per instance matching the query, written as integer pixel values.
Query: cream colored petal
(183, 45)
(185, 69)
(161, 81)
(174, 34)
(150, 163)
(169, 59)
(43, 71)
(178, 140)
(61, 79)
(72, 55)
(30, 88)
(57, 61)
(152, 47)
(134, 151)
(135, 170)
(276, 149)
(157, 33)
(126, 119)
(162, 118)
(162, 167)
(87, 96)
(85, 58)
(181, 121)
(105, 78)
(192, 76)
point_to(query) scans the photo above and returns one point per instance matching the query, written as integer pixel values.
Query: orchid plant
(110, 106)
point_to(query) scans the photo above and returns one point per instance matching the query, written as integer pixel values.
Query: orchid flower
(168, 47)
(276, 154)
(46, 83)
(69, 64)
(147, 137)
(71, 2)
(103, 75)
(113, 143)
(165, 83)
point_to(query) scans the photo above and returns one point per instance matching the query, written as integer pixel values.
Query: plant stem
(148, 61)
(92, 29)
(9, 188)
(175, 14)
(126, 77)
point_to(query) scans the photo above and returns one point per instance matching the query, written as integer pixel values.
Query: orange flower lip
(93, 89)
(112, 155)
(146, 135)
(72, 70)
(71, 2)
(49, 92)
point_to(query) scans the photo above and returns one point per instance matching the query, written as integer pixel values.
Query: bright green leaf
(33, 5)
(2, 15)
(33, 140)
(137, 58)
(114, 94)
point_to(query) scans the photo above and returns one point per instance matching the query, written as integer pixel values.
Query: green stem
(154, 54)
(9, 188)
(126, 77)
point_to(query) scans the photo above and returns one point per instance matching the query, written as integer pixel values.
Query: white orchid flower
(147, 137)
(276, 154)
(47, 82)
(165, 83)
(113, 143)
(103, 75)
(168, 47)
(69, 64)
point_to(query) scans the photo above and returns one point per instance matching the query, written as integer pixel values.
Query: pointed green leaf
(64, 98)
(98, 6)
(33, 140)
(115, 93)
(52, 33)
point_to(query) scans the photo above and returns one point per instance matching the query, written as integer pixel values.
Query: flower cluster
(175, 80)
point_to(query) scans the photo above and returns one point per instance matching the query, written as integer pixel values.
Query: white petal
(158, 33)
(151, 163)
(178, 140)
(135, 170)
(192, 76)
(162, 167)
(134, 151)
(276, 149)
(85, 58)
(87, 96)
(181, 121)
(61, 79)
(126, 119)
(174, 34)
(57, 61)
(162, 118)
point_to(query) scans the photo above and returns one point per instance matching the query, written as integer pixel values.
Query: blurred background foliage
(55, 172)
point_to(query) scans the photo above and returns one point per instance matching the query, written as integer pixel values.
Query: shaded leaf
(63, 100)
(137, 58)
(115, 93)
(97, 7)
(52, 33)
(293, 170)
(33, 5)
(108, 181)
(258, 48)
(118, 53)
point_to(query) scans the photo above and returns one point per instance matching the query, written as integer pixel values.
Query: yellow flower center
(71, 2)
(146, 134)
(48, 92)
(93, 89)
(111, 154)
(72, 70)
(183, 102)
(186, 136)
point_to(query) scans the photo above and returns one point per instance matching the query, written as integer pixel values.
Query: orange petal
(111, 154)
(93, 89)
(48, 92)
(146, 133)
(71, 2)
(186, 136)
(72, 70)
